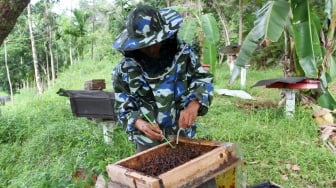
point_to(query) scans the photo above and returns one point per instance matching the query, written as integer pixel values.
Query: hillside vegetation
(43, 145)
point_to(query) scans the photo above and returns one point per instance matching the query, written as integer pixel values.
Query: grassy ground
(43, 145)
(277, 148)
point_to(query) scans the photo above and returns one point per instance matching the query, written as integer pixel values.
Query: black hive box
(91, 103)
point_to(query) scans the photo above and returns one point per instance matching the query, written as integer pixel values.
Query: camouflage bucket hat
(146, 26)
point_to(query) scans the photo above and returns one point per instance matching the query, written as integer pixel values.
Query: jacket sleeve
(125, 104)
(200, 84)
(133, 96)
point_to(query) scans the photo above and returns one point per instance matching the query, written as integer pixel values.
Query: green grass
(42, 143)
(272, 143)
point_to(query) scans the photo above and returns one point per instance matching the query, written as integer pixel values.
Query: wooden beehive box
(189, 164)
(95, 84)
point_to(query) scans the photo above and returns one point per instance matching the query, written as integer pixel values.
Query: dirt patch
(84, 178)
(256, 105)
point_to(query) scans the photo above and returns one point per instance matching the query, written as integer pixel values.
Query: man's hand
(152, 132)
(189, 114)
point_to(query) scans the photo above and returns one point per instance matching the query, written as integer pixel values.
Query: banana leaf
(271, 20)
(210, 54)
(270, 24)
(306, 37)
(247, 49)
(210, 28)
(327, 101)
(332, 69)
(188, 30)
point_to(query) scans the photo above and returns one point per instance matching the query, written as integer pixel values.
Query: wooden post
(243, 77)
(107, 125)
(107, 130)
(290, 102)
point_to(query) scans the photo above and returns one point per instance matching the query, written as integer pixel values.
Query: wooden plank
(95, 84)
(125, 177)
(199, 170)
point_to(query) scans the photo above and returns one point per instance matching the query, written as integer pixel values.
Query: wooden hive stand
(290, 85)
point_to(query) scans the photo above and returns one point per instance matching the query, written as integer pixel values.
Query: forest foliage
(87, 32)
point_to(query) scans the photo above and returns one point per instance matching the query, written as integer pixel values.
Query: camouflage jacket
(162, 97)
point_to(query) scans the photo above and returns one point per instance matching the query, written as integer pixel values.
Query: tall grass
(42, 144)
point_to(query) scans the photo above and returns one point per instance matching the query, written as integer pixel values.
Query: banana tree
(203, 31)
(309, 45)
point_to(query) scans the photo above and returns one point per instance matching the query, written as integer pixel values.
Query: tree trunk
(70, 54)
(330, 40)
(93, 30)
(240, 37)
(225, 30)
(240, 41)
(35, 61)
(8, 74)
(51, 54)
(10, 10)
(47, 72)
(50, 44)
(168, 3)
(222, 19)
